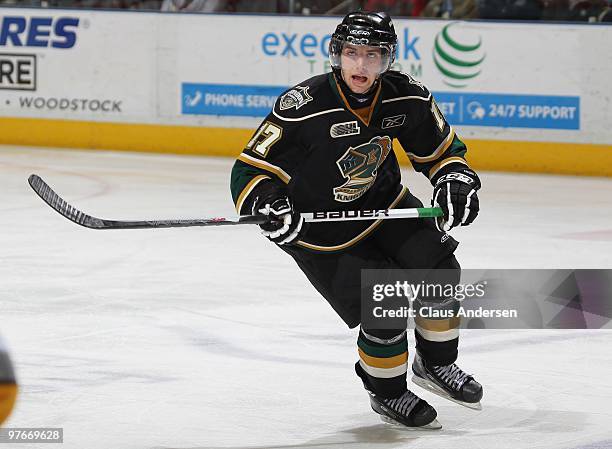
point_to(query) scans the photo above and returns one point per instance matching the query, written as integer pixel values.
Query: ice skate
(449, 382)
(407, 411)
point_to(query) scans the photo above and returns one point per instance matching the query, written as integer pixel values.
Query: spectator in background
(388, 6)
(259, 6)
(585, 10)
(451, 9)
(307, 7)
(555, 9)
(193, 5)
(404, 8)
(509, 9)
(576, 10)
(97, 4)
(606, 14)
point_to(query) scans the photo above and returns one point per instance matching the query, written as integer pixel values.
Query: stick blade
(48, 195)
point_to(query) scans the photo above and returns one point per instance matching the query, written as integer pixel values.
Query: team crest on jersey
(295, 98)
(391, 122)
(344, 129)
(360, 166)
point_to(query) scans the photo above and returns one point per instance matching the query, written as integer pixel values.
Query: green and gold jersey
(332, 157)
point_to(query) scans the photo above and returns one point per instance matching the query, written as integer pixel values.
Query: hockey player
(8, 384)
(327, 145)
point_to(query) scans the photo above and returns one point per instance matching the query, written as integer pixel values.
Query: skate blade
(434, 425)
(430, 386)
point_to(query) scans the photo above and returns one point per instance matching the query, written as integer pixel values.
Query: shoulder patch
(295, 98)
(310, 98)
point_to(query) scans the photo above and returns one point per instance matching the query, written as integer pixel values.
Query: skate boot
(447, 381)
(408, 410)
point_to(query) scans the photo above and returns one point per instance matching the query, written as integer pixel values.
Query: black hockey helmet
(364, 28)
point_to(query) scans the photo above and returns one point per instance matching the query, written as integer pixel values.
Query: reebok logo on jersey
(360, 166)
(344, 129)
(295, 98)
(391, 122)
(444, 238)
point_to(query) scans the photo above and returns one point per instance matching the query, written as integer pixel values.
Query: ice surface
(212, 338)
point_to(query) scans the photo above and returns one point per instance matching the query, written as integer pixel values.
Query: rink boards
(525, 97)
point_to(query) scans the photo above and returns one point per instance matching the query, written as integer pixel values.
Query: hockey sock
(437, 339)
(383, 358)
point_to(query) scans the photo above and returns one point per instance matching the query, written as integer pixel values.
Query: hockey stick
(71, 213)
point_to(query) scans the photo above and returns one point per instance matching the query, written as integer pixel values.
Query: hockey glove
(285, 225)
(455, 193)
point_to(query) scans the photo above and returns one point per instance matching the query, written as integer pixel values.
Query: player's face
(361, 65)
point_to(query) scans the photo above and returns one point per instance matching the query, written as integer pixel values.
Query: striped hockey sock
(437, 341)
(383, 359)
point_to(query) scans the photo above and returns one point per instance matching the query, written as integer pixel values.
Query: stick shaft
(48, 195)
(380, 214)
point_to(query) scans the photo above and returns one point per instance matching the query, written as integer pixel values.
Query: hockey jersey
(333, 157)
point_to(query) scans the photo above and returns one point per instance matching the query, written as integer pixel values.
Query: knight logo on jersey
(360, 166)
(295, 98)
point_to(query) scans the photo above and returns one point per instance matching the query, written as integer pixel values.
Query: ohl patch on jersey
(359, 165)
(344, 129)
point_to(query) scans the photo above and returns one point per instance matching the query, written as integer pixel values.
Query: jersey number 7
(266, 136)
